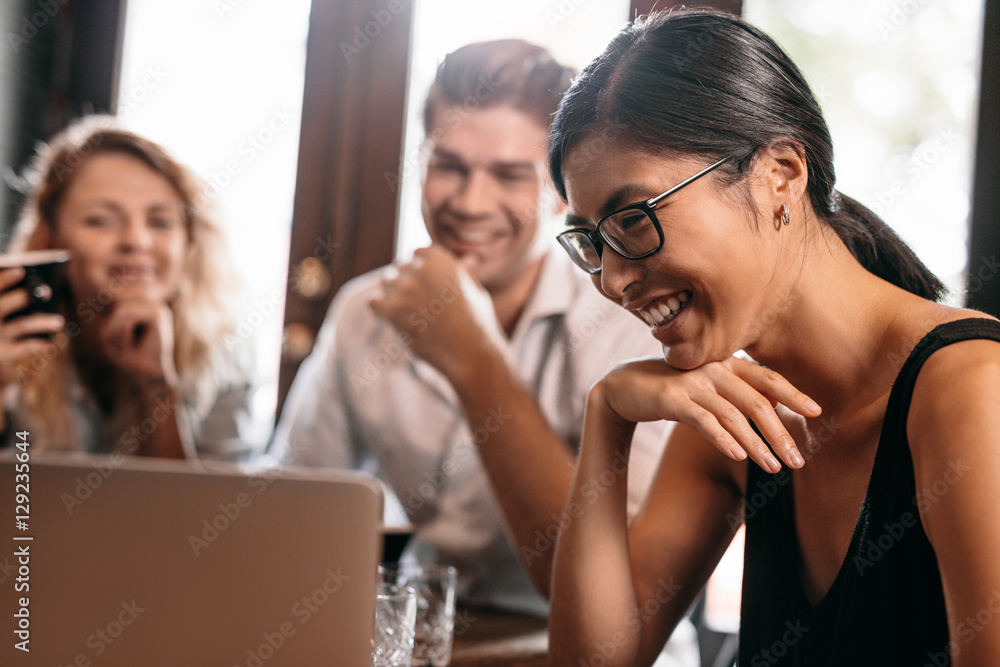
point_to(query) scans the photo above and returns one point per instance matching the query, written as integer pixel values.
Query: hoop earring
(785, 216)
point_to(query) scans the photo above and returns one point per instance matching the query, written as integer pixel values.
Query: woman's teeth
(665, 310)
(132, 273)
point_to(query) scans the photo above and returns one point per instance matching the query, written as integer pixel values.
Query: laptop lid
(115, 561)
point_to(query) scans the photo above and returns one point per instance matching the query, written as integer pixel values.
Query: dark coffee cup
(43, 278)
(394, 540)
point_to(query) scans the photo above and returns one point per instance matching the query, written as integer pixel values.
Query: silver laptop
(111, 561)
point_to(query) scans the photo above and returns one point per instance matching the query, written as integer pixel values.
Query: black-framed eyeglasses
(632, 231)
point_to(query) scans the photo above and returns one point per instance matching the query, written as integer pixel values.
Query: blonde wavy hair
(201, 309)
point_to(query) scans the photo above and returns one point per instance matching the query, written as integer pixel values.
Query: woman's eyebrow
(575, 221)
(622, 196)
(101, 203)
(164, 206)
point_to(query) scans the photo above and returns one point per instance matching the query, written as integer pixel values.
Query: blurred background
(303, 118)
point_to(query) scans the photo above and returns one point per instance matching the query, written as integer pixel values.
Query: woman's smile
(664, 309)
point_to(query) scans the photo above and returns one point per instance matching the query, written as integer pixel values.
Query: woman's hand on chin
(717, 399)
(138, 339)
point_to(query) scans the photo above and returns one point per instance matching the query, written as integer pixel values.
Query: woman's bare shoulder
(956, 392)
(952, 366)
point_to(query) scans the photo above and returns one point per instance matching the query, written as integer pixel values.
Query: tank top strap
(940, 336)
(893, 456)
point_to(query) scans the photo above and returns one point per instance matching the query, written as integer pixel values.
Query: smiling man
(460, 376)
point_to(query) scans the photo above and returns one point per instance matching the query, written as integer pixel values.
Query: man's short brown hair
(505, 72)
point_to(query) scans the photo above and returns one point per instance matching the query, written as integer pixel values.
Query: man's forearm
(529, 467)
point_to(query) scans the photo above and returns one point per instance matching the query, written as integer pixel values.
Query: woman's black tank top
(886, 605)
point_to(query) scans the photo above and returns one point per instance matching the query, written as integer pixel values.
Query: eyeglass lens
(631, 233)
(581, 250)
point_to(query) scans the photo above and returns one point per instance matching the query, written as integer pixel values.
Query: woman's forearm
(161, 406)
(593, 596)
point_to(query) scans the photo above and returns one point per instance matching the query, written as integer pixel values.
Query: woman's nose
(134, 233)
(619, 274)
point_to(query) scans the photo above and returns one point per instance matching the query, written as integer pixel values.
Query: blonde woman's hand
(25, 336)
(138, 339)
(716, 399)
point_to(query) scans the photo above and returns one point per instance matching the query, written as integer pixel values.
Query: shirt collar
(553, 291)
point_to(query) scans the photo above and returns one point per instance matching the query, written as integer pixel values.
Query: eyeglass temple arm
(658, 198)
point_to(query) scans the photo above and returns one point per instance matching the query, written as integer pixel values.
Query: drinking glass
(395, 618)
(435, 588)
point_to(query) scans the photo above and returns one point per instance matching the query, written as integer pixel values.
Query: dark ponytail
(708, 84)
(880, 250)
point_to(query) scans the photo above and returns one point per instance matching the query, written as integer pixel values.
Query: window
(897, 81)
(219, 85)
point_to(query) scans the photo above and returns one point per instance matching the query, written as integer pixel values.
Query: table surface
(489, 639)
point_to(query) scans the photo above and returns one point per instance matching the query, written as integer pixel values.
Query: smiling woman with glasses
(864, 392)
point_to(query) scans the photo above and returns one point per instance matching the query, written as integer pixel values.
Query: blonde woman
(140, 356)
